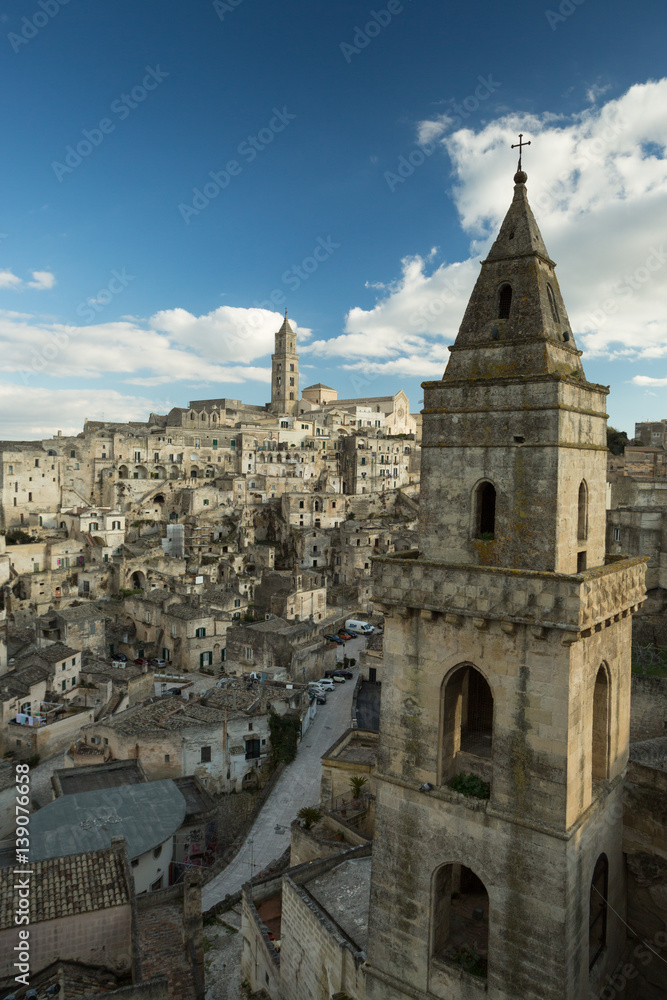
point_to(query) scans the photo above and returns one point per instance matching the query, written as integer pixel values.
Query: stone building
(318, 912)
(372, 463)
(295, 596)
(645, 462)
(637, 524)
(158, 468)
(222, 739)
(651, 433)
(280, 649)
(92, 936)
(506, 657)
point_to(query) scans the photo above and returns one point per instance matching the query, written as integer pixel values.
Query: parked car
(326, 683)
(119, 656)
(345, 635)
(141, 661)
(337, 679)
(157, 661)
(345, 674)
(173, 691)
(335, 638)
(321, 699)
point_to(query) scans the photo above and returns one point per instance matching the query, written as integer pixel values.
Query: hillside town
(328, 700)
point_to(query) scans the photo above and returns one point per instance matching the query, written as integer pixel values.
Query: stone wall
(648, 708)
(321, 841)
(317, 960)
(645, 846)
(527, 596)
(260, 961)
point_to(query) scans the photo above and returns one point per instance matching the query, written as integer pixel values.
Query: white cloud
(9, 280)
(172, 345)
(598, 187)
(648, 380)
(227, 334)
(27, 413)
(42, 280)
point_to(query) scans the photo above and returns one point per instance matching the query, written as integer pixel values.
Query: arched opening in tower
(600, 749)
(582, 512)
(468, 715)
(504, 301)
(485, 511)
(597, 924)
(460, 919)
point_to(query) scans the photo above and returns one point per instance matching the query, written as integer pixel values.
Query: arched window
(467, 717)
(552, 303)
(600, 751)
(597, 923)
(582, 511)
(504, 301)
(485, 511)
(460, 920)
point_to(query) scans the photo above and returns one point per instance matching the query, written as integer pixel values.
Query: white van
(359, 628)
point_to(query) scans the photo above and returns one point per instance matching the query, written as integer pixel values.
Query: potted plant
(309, 816)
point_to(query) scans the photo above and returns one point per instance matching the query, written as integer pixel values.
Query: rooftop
(145, 814)
(56, 652)
(197, 799)
(362, 748)
(81, 613)
(65, 886)
(344, 893)
(650, 753)
(94, 777)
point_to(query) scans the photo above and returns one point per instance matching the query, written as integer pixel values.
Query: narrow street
(299, 785)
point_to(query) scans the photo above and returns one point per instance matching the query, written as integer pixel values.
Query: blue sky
(123, 290)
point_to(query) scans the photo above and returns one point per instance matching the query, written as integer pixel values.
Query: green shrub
(470, 785)
(33, 760)
(470, 959)
(285, 735)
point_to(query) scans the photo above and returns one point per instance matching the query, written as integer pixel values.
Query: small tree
(357, 784)
(309, 816)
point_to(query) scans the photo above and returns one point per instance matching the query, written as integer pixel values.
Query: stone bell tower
(497, 862)
(285, 372)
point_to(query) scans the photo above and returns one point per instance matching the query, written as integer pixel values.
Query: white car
(326, 683)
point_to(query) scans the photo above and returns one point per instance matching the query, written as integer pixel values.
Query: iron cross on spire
(520, 144)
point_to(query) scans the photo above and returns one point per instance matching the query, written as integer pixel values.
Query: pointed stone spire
(516, 322)
(514, 437)
(286, 328)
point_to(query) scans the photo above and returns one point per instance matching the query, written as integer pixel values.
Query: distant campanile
(285, 372)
